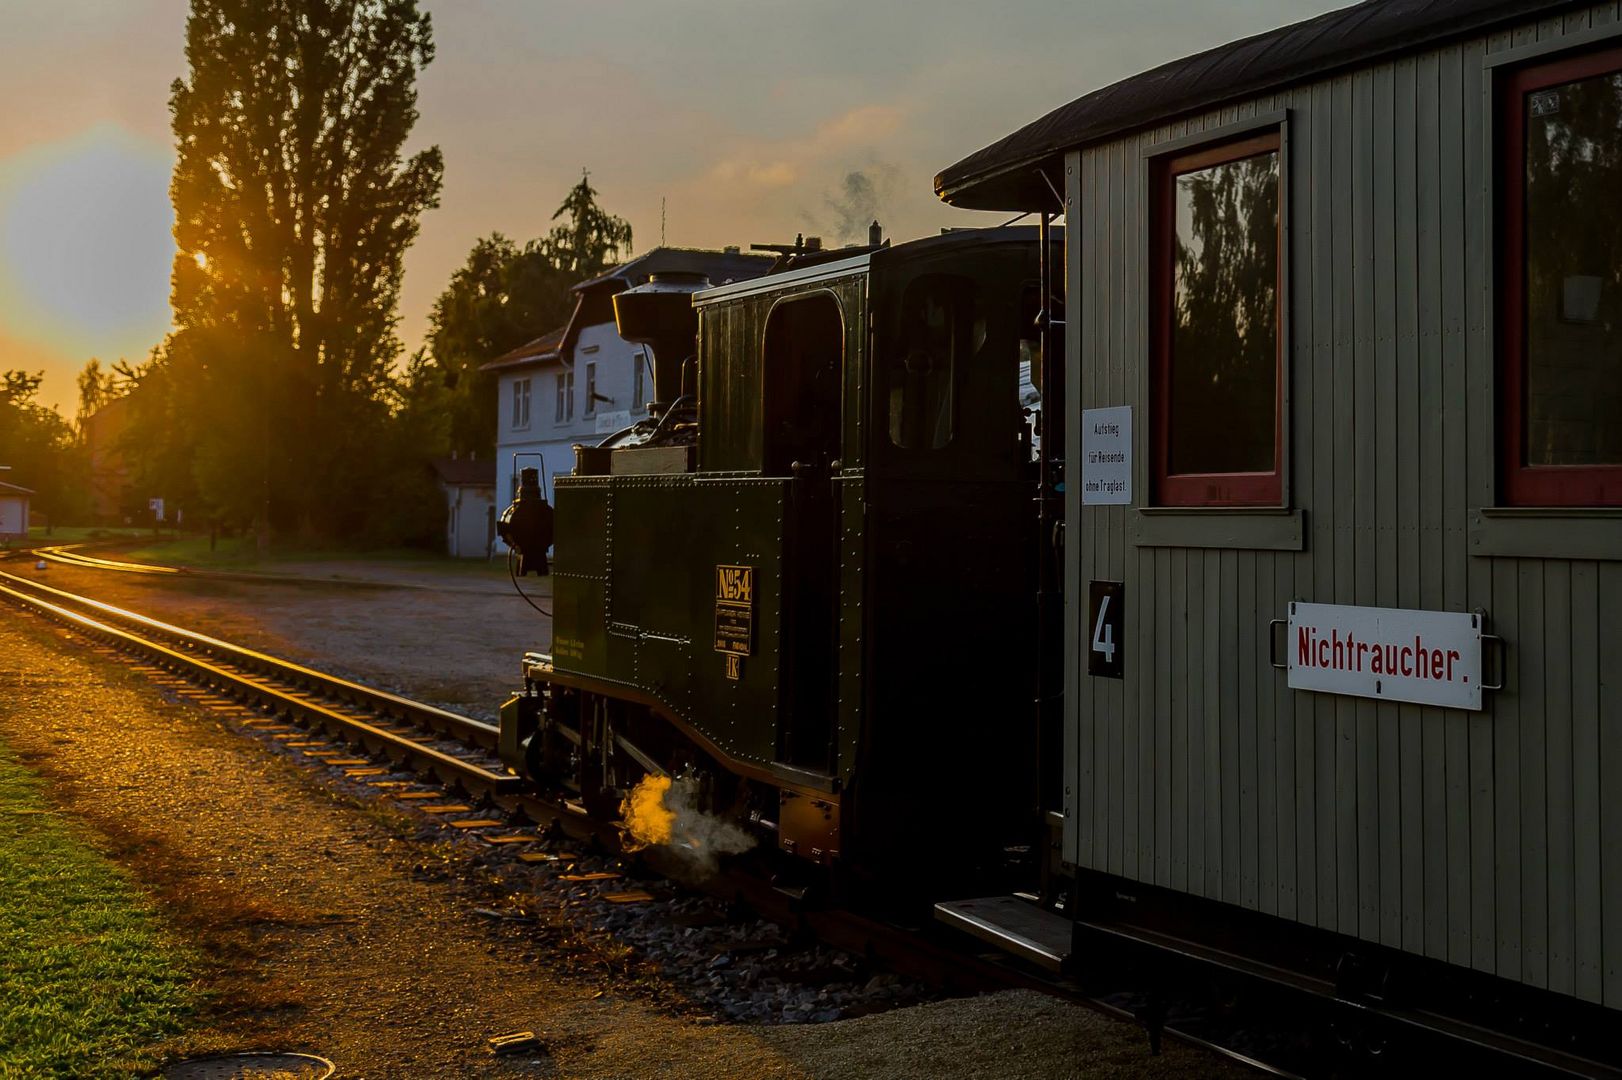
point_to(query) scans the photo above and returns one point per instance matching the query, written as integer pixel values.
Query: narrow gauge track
(459, 753)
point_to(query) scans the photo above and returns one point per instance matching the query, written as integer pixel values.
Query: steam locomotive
(805, 585)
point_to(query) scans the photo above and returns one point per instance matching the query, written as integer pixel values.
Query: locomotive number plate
(734, 610)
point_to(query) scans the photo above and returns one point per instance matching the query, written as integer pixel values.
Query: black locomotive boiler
(805, 585)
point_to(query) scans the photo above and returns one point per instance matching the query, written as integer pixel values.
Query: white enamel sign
(1106, 456)
(1394, 654)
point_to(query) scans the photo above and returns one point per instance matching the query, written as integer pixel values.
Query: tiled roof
(544, 347)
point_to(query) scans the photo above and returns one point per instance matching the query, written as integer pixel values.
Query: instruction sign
(1394, 654)
(1106, 456)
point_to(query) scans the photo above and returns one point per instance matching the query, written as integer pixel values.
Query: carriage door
(804, 364)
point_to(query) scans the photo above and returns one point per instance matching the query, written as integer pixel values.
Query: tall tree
(39, 447)
(589, 239)
(505, 295)
(294, 206)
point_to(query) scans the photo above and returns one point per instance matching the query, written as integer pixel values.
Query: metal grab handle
(1272, 643)
(1503, 655)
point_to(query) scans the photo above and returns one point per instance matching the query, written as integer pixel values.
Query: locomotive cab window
(1218, 391)
(939, 332)
(1561, 284)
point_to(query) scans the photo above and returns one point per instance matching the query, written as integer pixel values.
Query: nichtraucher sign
(1394, 654)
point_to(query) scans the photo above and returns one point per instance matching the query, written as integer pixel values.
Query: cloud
(774, 174)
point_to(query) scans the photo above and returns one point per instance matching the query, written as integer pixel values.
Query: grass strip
(89, 980)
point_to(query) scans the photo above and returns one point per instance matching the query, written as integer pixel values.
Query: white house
(469, 486)
(582, 381)
(13, 512)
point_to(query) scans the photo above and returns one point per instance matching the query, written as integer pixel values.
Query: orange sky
(747, 117)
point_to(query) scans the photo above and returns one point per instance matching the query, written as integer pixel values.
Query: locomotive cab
(811, 602)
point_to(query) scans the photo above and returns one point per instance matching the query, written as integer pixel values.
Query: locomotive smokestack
(875, 233)
(660, 314)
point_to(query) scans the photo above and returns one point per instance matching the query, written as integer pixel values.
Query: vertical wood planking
(1480, 436)
(1321, 783)
(1242, 658)
(1451, 544)
(1165, 708)
(1433, 746)
(1610, 769)
(1178, 678)
(1507, 779)
(1198, 704)
(1586, 788)
(1388, 757)
(1214, 779)
(1128, 560)
(1410, 723)
(1365, 487)
(1227, 665)
(1109, 318)
(1342, 762)
(1557, 765)
(1534, 851)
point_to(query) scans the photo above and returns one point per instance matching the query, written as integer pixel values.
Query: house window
(565, 407)
(521, 403)
(1561, 283)
(1218, 383)
(589, 406)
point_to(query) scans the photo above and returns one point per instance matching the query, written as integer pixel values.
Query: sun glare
(85, 244)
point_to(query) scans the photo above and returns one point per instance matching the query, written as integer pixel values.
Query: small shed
(470, 502)
(13, 512)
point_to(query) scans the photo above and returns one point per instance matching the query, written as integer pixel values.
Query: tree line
(283, 401)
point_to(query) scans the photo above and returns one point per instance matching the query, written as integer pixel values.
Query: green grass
(88, 978)
(241, 553)
(76, 534)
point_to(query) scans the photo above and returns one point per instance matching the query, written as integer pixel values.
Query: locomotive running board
(1014, 925)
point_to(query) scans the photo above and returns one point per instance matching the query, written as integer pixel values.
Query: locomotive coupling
(526, 525)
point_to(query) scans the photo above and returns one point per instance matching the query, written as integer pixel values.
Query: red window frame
(1208, 489)
(1522, 484)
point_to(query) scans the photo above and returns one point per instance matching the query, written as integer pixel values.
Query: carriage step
(1012, 924)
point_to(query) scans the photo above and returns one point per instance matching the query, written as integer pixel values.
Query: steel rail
(468, 775)
(61, 554)
(454, 725)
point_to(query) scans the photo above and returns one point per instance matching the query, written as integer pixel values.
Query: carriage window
(1216, 296)
(939, 325)
(1563, 279)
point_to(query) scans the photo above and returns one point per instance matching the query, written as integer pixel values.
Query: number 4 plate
(1106, 625)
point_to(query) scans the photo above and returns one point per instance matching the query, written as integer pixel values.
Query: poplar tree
(294, 205)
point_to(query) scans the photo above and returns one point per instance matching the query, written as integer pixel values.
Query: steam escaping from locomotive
(661, 812)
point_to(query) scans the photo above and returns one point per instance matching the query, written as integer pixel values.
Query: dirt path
(329, 930)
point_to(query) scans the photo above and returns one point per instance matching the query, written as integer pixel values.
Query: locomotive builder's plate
(735, 609)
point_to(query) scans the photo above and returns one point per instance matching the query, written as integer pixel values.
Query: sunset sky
(748, 117)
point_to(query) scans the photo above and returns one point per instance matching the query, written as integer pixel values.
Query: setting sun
(85, 244)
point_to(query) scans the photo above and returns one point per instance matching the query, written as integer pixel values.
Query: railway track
(374, 734)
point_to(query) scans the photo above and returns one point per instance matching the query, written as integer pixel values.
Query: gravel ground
(331, 929)
(450, 638)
